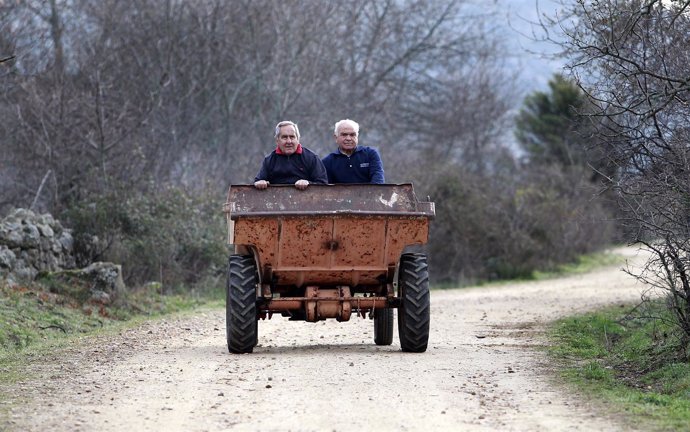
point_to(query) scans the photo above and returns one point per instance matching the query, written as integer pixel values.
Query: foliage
(555, 128)
(170, 236)
(488, 229)
(631, 359)
(631, 58)
(548, 124)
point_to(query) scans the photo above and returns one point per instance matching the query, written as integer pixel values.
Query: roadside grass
(34, 320)
(629, 360)
(582, 264)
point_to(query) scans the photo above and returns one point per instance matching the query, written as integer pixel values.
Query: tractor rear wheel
(414, 311)
(240, 304)
(383, 326)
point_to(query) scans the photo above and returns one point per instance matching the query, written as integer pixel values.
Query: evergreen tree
(549, 126)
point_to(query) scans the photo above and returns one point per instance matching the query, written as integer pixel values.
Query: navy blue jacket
(363, 166)
(282, 169)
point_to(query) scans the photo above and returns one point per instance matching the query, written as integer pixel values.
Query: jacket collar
(297, 151)
(339, 152)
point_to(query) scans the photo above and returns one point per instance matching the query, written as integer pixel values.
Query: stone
(7, 258)
(22, 214)
(66, 241)
(30, 236)
(107, 277)
(47, 219)
(100, 297)
(33, 244)
(45, 230)
(10, 234)
(24, 272)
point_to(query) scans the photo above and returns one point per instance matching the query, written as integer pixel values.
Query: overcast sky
(518, 18)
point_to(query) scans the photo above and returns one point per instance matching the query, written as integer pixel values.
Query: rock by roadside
(38, 246)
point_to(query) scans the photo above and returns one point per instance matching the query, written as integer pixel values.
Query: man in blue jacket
(290, 162)
(351, 163)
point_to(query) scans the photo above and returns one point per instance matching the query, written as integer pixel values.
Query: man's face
(287, 139)
(346, 139)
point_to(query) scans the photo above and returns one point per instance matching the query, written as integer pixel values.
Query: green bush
(170, 236)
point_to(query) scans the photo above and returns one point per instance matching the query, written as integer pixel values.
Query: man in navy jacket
(290, 162)
(351, 163)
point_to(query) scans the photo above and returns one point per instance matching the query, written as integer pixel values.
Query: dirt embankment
(484, 370)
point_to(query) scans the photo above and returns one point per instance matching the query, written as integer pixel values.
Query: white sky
(519, 18)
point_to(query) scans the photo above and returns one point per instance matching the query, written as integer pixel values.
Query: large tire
(414, 311)
(240, 304)
(383, 326)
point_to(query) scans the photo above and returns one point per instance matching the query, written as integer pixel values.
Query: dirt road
(485, 370)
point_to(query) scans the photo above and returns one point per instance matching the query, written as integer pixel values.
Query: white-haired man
(290, 162)
(352, 163)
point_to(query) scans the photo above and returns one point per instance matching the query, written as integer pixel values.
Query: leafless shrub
(118, 99)
(631, 59)
(144, 92)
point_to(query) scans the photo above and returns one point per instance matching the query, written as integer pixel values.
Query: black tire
(240, 304)
(383, 326)
(414, 311)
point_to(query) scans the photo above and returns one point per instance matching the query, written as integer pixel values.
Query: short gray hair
(352, 123)
(286, 123)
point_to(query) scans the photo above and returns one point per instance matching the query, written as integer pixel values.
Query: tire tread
(414, 312)
(240, 305)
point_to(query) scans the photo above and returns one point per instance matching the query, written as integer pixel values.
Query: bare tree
(631, 59)
(117, 98)
(187, 92)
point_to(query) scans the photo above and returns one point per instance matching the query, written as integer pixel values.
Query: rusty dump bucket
(326, 235)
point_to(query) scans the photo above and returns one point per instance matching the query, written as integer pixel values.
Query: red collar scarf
(297, 151)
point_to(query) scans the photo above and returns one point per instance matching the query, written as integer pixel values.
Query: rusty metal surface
(339, 250)
(326, 303)
(246, 200)
(312, 241)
